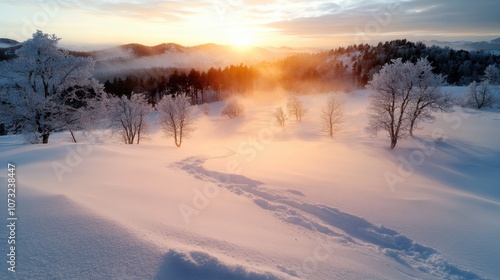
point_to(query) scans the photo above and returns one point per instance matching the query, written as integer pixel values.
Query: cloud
(149, 10)
(284, 20)
(414, 17)
(456, 17)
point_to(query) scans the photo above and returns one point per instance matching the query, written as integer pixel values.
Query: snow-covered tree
(45, 89)
(176, 117)
(332, 115)
(280, 116)
(492, 75)
(404, 94)
(427, 96)
(296, 108)
(128, 117)
(390, 99)
(92, 117)
(233, 109)
(479, 95)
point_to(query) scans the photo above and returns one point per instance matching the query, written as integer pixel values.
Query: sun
(240, 38)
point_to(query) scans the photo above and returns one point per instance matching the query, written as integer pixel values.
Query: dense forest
(341, 69)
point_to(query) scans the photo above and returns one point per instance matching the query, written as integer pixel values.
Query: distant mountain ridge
(139, 50)
(7, 43)
(7, 48)
(129, 57)
(493, 45)
(138, 56)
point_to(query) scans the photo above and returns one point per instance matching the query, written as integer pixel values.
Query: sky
(315, 23)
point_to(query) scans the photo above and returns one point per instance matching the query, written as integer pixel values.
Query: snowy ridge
(339, 227)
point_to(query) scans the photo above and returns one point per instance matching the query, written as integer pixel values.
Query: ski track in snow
(343, 228)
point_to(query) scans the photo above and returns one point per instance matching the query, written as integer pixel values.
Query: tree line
(200, 86)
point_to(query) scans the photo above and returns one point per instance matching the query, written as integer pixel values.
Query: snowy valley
(244, 198)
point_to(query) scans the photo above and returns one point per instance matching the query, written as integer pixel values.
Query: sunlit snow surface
(246, 199)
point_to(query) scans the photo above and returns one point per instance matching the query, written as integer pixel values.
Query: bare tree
(332, 115)
(233, 109)
(427, 96)
(392, 88)
(479, 95)
(280, 116)
(176, 117)
(128, 117)
(296, 108)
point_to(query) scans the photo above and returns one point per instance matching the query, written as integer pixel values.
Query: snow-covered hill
(246, 199)
(7, 43)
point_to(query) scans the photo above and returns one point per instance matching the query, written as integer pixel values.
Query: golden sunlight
(240, 37)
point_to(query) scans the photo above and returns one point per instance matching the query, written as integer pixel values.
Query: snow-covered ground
(246, 199)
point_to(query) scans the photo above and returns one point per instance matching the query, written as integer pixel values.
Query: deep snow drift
(246, 199)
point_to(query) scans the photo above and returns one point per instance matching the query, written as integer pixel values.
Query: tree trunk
(331, 126)
(73, 136)
(45, 138)
(139, 133)
(394, 141)
(412, 124)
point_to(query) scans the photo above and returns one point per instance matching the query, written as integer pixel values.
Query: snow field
(246, 199)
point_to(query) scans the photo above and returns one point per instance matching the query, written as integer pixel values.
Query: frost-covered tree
(296, 108)
(128, 117)
(45, 89)
(492, 75)
(176, 117)
(280, 116)
(404, 94)
(479, 95)
(332, 115)
(390, 98)
(233, 109)
(427, 96)
(93, 117)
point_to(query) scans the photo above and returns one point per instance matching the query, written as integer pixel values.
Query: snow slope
(245, 199)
